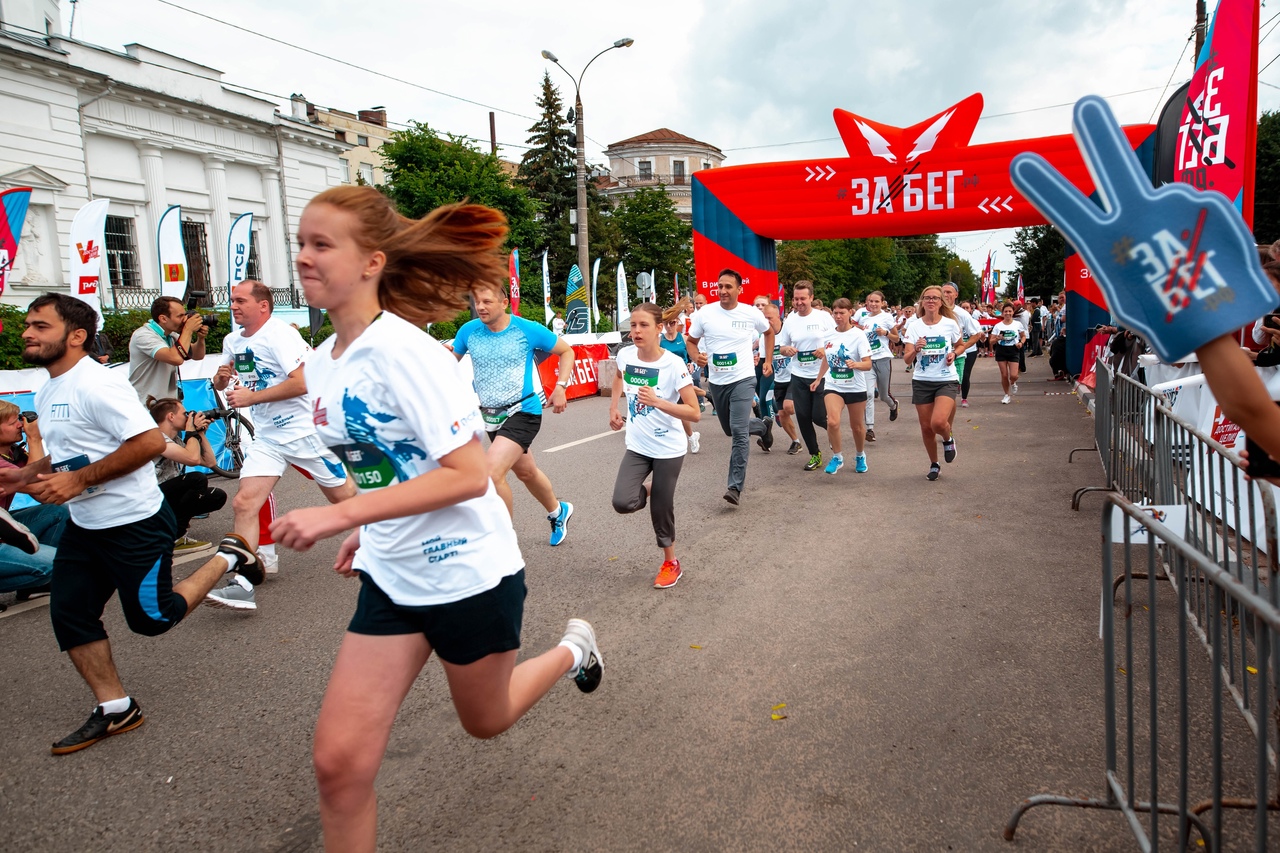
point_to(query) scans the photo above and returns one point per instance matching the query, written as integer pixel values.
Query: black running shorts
(521, 427)
(460, 632)
(849, 397)
(1006, 353)
(780, 393)
(133, 560)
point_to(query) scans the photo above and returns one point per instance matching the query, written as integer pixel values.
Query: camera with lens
(209, 321)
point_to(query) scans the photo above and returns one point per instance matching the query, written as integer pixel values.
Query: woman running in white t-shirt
(846, 358)
(660, 397)
(1007, 338)
(933, 340)
(439, 567)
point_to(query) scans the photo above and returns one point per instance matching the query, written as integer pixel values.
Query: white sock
(577, 656)
(233, 560)
(115, 706)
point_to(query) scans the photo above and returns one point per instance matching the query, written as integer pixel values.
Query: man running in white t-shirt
(263, 365)
(721, 337)
(803, 334)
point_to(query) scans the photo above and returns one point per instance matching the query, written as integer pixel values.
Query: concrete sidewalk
(934, 644)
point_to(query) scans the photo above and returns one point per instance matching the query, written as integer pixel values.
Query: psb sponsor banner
(576, 321)
(624, 306)
(13, 212)
(585, 381)
(546, 291)
(173, 257)
(513, 273)
(238, 243)
(88, 245)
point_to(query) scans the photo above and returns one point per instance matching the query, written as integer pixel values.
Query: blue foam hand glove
(1176, 264)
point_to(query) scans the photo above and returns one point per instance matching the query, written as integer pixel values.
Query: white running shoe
(695, 442)
(582, 635)
(1005, 399)
(1014, 387)
(270, 562)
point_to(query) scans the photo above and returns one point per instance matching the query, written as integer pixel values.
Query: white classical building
(146, 130)
(660, 158)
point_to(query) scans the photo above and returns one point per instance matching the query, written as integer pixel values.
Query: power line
(340, 61)
(1174, 71)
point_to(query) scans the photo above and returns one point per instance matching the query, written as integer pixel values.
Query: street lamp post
(580, 139)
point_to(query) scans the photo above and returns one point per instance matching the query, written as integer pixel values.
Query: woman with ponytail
(433, 547)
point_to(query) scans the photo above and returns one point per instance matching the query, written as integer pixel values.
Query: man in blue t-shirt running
(502, 350)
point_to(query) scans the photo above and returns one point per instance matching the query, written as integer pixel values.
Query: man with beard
(100, 444)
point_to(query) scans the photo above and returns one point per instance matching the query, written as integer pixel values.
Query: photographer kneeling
(156, 350)
(30, 535)
(188, 493)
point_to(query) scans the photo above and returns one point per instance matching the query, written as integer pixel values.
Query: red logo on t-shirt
(319, 416)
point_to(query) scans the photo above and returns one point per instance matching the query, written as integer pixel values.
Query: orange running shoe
(668, 575)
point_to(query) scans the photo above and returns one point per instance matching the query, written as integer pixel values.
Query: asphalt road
(935, 645)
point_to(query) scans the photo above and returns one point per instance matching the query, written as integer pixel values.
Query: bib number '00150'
(367, 465)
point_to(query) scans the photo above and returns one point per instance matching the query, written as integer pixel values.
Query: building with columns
(660, 158)
(147, 130)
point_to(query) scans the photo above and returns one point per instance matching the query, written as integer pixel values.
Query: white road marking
(15, 609)
(583, 440)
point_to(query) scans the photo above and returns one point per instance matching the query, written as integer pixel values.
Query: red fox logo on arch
(903, 146)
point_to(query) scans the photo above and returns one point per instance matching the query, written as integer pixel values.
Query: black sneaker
(249, 564)
(14, 533)
(934, 470)
(814, 463)
(893, 411)
(766, 440)
(733, 496)
(871, 434)
(949, 450)
(100, 726)
(33, 591)
(794, 448)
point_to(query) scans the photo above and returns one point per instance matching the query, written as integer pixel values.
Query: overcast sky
(757, 79)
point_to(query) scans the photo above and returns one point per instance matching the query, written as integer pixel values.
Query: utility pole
(1201, 25)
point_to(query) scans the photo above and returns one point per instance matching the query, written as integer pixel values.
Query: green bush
(118, 326)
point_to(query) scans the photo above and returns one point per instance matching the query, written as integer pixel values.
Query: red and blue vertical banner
(1217, 137)
(13, 213)
(675, 287)
(513, 273)
(782, 299)
(988, 292)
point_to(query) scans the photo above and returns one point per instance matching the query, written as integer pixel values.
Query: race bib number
(935, 350)
(494, 416)
(246, 368)
(75, 463)
(367, 465)
(638, 377)
(1008, 338)
(841, 373)
(724, 361)
(806, 357)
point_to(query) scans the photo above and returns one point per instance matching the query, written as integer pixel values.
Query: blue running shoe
(860, 463)
(836, 463)
(560, 521)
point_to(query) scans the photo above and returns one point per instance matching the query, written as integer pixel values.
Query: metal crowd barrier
(1189, 518)
(1102, 405)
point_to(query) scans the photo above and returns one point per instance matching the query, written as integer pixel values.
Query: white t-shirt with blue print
(650, 432)
(262, 361)
(505, 369)
(931, 360)
(841, 348)
(390, 407)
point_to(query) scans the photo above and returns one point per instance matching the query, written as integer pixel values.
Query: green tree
(425, 171)
(1039, 251)
(1266, 194)
(653, 237)
(547, 174)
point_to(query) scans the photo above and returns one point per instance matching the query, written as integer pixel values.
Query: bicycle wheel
(229, 436)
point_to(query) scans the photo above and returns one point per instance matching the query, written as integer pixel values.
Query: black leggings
(969, 362)
(811, 410)
(190, 495)
(629, 492)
